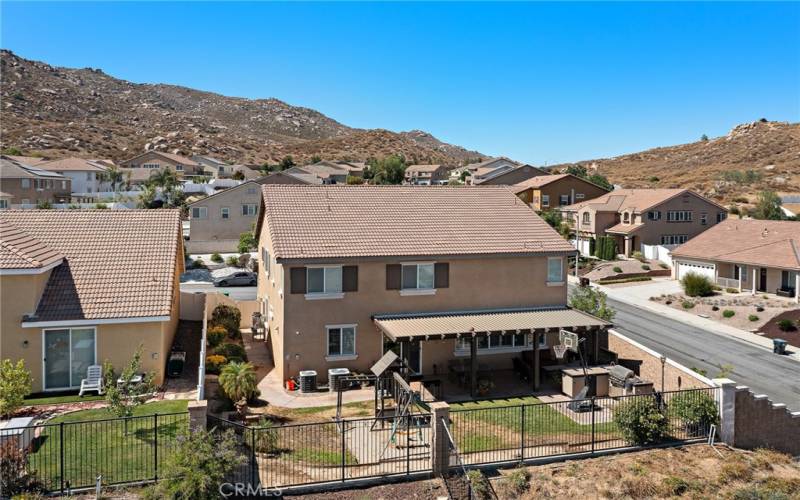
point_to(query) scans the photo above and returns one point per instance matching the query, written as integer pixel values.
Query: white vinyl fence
(659, 252)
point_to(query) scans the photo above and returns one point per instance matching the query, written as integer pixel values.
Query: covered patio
(521, 330)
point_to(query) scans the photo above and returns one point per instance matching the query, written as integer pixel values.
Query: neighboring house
(349, 272)
(29, 185)
(325, 173)
(27, 160)
(509, 177)
(81, 287)
(636, 217)
(286, 177)
(426, 175)
(545, 192)
(790, 205)
(755, 255)
(493, 166)
(156, 160)
(6, 199)
(213, 167)
(86, 175)
(217, 221)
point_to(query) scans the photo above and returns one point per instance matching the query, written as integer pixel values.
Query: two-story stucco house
(29, 185)
(545, 192)
(80, 287)
(351, 271)
(158, 160)
(217, 221)
(86, 175)
(426, 175)
(635, 217)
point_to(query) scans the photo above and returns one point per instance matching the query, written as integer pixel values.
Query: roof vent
(765, 233)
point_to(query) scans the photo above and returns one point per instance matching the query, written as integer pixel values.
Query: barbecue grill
(619, 376)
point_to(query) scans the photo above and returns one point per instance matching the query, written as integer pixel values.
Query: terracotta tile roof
(117, 263)
(637, 199)
(310, 222)
(487, 162)
(27, 160)
(422, 168)
(72, 164)
(623, 228)
(537, 182)
(766, 243)
(19, 250)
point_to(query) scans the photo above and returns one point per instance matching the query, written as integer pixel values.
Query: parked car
(239, 278)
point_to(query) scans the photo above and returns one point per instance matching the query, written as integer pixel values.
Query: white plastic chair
(93, 380)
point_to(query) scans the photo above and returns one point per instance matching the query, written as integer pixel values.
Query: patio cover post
(797, 287)
(755, 277)
(473, 366)
(535, 363)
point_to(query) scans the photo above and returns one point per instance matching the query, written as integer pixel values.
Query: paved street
(754, 366)
(234, 292)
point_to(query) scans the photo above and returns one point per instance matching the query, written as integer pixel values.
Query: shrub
(624, 280)
(638, 256)
(732, 290)
(753, 317)
(266, 437)
(516, 483)
(480, 485)
(662, 265)
(15, 475)
(639, 487)
(645, 267)
(640, 421)
(786, 325)
(736, 469)
(728, 313)
(229, 317)
(214, 363)
(199, 264)
(687, 304)
(759, 309)
(100, 206)
(215, 335)
(696, 409)
(675, 486)
(233, 352)
(668, 302)
(654, 179)
(232, 260)
(238, 381)
(215, 257)
(15, 384)
(715, 308)
(44, 205)
(697, 285)
(617, 269)
(592, 301)
(199, 463)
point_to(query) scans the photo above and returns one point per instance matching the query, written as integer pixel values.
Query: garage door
(685, 268)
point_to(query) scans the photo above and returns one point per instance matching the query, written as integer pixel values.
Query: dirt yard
(620, 268)
(746, 315)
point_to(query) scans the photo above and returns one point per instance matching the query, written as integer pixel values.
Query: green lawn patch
(54, 400)
(96, 443)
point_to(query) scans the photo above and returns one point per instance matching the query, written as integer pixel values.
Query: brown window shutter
(297, 276)
(441, 275)
(349, 278)
(393, 276)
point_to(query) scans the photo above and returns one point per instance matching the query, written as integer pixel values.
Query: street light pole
(663, 367)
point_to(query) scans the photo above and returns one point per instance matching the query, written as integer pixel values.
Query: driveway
(234, 292)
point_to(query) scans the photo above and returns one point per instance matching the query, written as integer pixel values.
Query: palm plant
(238, 381)
(167, 181)
(114, 176)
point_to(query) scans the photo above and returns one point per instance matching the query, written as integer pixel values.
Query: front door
(762, 280)
(67, 355)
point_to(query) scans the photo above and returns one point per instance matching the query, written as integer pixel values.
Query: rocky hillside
(58, 111)
(717, 167)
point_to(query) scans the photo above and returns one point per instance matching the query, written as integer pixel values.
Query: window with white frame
(679, 216)
(654, 215)
(341, 340)
(579, 196)
(225, 213)
(265, 262)
(673, 239)
(249, 209)
(179, 168)
(3, 203)
(324, 279)
(199, 212)
(563, 199)
(151, 165)
(88, 176)
(545, 200)
(495, 342)
(26, 183)
(586, 218)
(555, 269)
(418, 276)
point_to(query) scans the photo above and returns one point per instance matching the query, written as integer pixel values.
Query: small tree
(123, 395)
(44, 205)
(592, 301)
(247, 242)
(640, 421)
(229, 317)
(696, 409)
(239, 382)
(286, 162)
(697, 285)
(198, 465)
(768, 206)
(15, 384)
(238, 175)
(704, 137)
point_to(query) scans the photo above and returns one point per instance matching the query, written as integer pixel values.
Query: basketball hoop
(560, 350)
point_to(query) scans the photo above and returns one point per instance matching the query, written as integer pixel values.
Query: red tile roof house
(80, 287)
(754, 255)
(351, 271)
(636, 217)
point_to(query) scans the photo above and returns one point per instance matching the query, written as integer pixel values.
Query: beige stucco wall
(152, 157)
(513, 177)
(60, 188)
(215, 234)
(566, 186)
(725, 270)
(474, 284)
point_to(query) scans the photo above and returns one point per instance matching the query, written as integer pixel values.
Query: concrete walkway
(638, 295)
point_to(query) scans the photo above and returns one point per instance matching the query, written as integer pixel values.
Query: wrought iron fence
(522, 432)
(72, 455)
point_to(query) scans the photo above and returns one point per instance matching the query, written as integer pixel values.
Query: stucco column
(726, 398)
(627, 246)
(755, 277)
(440, 443)
(197, 415)
(797, 287)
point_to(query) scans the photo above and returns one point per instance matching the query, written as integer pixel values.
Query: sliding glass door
(67, 355)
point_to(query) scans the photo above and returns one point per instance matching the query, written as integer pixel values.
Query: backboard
(568, 339)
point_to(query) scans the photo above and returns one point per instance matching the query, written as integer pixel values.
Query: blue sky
(539, 82)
